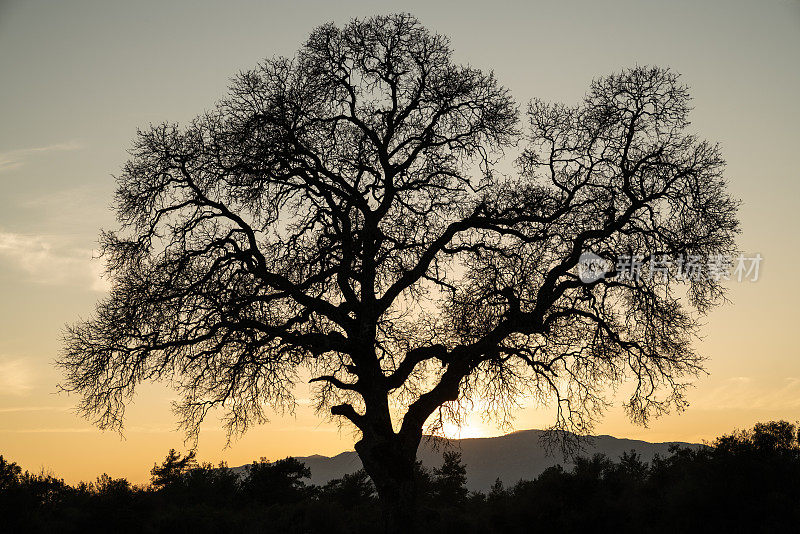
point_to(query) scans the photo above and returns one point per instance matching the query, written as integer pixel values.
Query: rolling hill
(515, 456)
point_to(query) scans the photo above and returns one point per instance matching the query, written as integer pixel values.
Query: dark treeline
(745, 481)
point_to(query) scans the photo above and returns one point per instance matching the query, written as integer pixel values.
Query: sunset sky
(78, 77)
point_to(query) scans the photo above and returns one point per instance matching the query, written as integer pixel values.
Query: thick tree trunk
(389, 461)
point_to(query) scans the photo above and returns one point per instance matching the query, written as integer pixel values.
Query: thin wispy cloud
(745, 393)
(47, 259)
(13, 159)
(77, 430)
(25, 409)
(88, 429)
(15, 377)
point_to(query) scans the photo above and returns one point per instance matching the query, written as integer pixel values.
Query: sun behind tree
(340, 212)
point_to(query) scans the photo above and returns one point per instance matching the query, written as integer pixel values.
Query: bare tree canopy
(342, 213)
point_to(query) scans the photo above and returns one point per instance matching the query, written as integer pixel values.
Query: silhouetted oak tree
(342, 215)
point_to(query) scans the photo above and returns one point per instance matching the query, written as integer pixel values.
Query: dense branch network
(342, 214)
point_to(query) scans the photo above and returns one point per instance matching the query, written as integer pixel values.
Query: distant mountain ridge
(515, 456)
